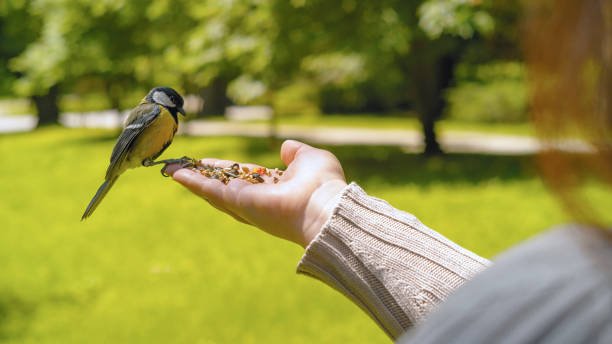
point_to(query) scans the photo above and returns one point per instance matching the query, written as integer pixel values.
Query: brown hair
(568, 49)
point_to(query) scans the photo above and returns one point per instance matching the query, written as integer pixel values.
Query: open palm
(295, 208)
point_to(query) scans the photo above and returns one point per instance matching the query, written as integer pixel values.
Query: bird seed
(225, 174)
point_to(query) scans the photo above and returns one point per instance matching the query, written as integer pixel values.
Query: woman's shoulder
(555, 287)
(560, 250)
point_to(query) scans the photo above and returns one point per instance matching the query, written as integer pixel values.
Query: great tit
(149, 130)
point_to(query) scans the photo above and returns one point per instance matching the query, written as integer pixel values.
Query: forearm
(386, 261)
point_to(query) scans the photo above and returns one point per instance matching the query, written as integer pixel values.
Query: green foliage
(495, 92)
(90, 102)
(17, 30)
(329, 46)
(225, 39)
(463, 18)
(157, 265)
(246, 90)
(300, 97)
(15, 106)
(341, 55)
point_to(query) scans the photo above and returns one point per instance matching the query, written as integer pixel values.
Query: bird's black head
(168, 98)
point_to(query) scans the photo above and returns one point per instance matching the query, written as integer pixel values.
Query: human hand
(295, 208)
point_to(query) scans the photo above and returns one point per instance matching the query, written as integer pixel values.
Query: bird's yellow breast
(154, 138)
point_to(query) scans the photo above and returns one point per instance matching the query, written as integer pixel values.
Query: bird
(148, 131)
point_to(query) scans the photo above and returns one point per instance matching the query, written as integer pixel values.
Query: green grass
(157, 265)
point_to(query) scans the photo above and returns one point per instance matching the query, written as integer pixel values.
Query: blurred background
(423, 102)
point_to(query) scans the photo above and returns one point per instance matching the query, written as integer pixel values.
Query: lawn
(156, 265)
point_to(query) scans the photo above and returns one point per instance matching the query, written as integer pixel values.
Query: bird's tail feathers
(97, 198)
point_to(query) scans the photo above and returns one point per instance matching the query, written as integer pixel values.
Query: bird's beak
(181, 110)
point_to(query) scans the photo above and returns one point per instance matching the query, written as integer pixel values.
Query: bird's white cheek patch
(163, 99)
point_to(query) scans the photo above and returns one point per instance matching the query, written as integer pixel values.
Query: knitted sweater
(398, 271)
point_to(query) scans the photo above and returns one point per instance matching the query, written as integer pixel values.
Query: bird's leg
(183, 162)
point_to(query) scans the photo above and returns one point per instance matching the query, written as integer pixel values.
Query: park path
(408, 140)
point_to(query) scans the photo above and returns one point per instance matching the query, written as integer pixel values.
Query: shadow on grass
(15, 316)
(385, 164)
(17, 313)
(391, 165)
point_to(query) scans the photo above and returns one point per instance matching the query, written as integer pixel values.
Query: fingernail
(172, 168)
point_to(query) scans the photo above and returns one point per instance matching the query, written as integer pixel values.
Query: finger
(210, 190)
(213, 190)
(171, 168)
(290, 149)
(216, 162)
(229, 212)
(200, 185)
(301, 157)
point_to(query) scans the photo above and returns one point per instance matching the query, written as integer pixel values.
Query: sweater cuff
(386, 261)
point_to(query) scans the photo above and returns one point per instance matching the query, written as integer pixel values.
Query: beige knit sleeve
(386, 261)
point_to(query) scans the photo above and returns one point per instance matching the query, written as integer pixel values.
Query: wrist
(320, 208)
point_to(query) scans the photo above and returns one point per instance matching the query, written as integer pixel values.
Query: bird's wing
(138, 120)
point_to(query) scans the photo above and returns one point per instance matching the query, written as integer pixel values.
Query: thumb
(290, 149)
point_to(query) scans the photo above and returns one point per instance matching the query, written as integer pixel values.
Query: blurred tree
(19, 27)
(39, 78)
(17, 30)
(335, 45)
(108, 46)
(245, 51)
(346, 41)
(226, 41)
(83, 40)
(489, 92)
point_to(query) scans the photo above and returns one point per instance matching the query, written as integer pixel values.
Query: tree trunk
(273, 130)
(113, 94)
(426, 95)
(432, 72)
(215, 97)
(432, 146)
(47, 107)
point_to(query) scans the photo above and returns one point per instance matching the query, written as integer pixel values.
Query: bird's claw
(183, 162)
